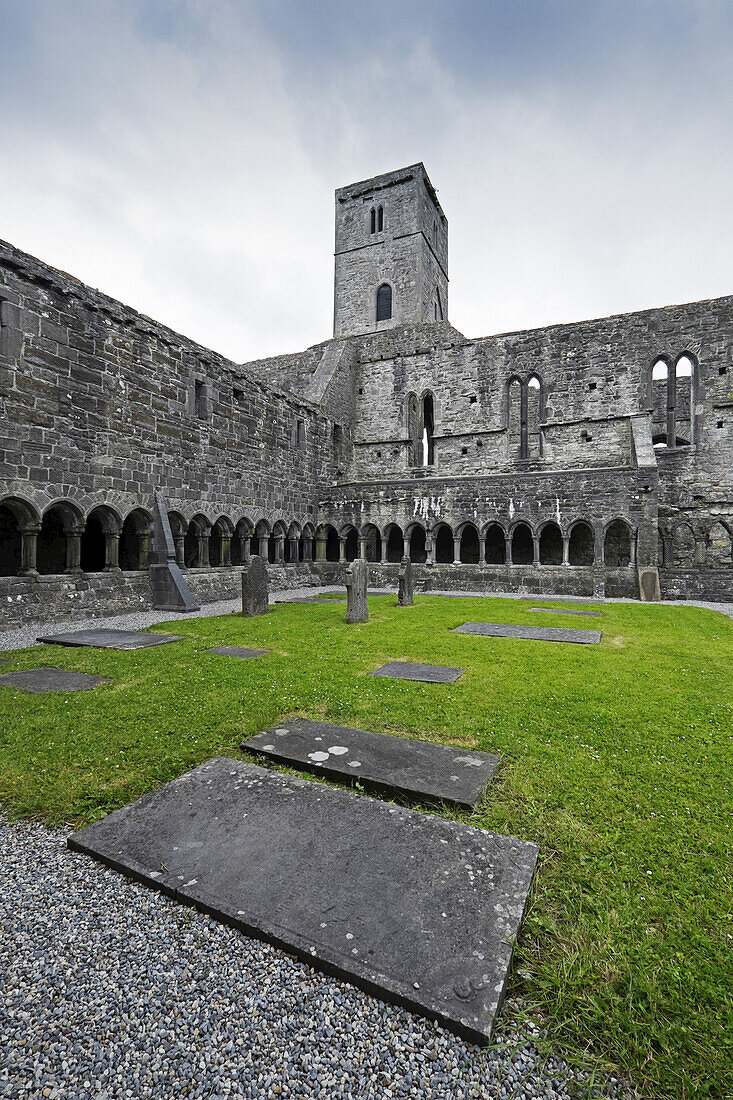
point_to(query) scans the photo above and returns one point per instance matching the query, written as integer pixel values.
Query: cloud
(182, 154)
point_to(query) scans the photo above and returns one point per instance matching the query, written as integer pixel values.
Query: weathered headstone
(649, 590)
(406, 590)
(255, 595)
(357, 576)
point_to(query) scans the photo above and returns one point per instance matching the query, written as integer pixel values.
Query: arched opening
(469, 550)
(276, 544)
(100, 523)
(683, 546)
(332, 543)
(372, 543)
(495, 545)
(272, 548)
(395, 543)
(617, 545)
(52, 543)
(581, 548)
(380, 219)
(428, 430)
(551, 545)
(418, 553)
(522, 545)
(134, 541)
(243, 532)
(293, 545)
(12, 518)
(534, 405)
(191, 546)
(514, 419)
(444, 544)
(718, 550)
(352, 545)
(684, 373)
(215, 544)
(413, 430)
(384, 303)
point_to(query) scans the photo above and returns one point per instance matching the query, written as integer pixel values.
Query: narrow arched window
(384, 302)
(373, 221)
(380, 219)
(428, 431)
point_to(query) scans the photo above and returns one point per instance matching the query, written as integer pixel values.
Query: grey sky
(182, 154)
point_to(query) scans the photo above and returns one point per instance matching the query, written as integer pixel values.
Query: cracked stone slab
(104, 638)
(429, 674)
(37, 681)
(237, 651)
(531, 633)
(413, 908)
(396, 765)
(565, 611)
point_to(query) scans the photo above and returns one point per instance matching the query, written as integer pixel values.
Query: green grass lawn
(617, 762)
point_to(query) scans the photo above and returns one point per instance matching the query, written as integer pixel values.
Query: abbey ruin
(570, 459)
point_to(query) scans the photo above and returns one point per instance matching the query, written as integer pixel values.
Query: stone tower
(391, 253)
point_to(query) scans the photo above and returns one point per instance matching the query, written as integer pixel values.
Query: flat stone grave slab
(401, 765)
(237, 651)
(311, 599)
(565, 611)
(36, 681)
(104, 638)
(531, 633)
(413, 908)
(429, 674)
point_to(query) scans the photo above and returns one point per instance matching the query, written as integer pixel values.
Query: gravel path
(110, 990)
(138, 620)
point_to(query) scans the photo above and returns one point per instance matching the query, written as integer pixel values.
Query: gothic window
(413, 430)
(300, 433)
(384, 302)
(524, 411)
(373, 221)
(201, 403)
(380, 219)
(671, 399)
(428, 431)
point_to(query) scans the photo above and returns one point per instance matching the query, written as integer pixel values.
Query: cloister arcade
(62, 540)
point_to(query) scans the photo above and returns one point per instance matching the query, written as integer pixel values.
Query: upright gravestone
(255, 599)
(357, 577)
(406, 590)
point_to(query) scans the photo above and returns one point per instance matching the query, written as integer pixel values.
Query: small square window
(464, 450)
(379, 454)
(238, 396)
(472, 399)
(721, 423)
(593, 385)
(722, 370)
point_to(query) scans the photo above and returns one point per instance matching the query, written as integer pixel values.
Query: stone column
(566, 549)
(112, 551)
(508, 555)
(536, 550)
(245, 542)
(263, 549)
(599, 556)
(144, 544)
(28, 549)
(294, 551)
(482, 549)
(342, 549)
(226, 550)
(700, 548)
(279, 550)
(384, 547)
(456, 550)
(307, 548)
(320, 547)
(632, 548)
(405, 546)
(73, 548)
(362, 547)
(202, 548)
(429, 550)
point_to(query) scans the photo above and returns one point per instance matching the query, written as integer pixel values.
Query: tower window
(384, 302)
(428, 431)
(299, 433)
(200, 400)
(380, 219)
(373, 221)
